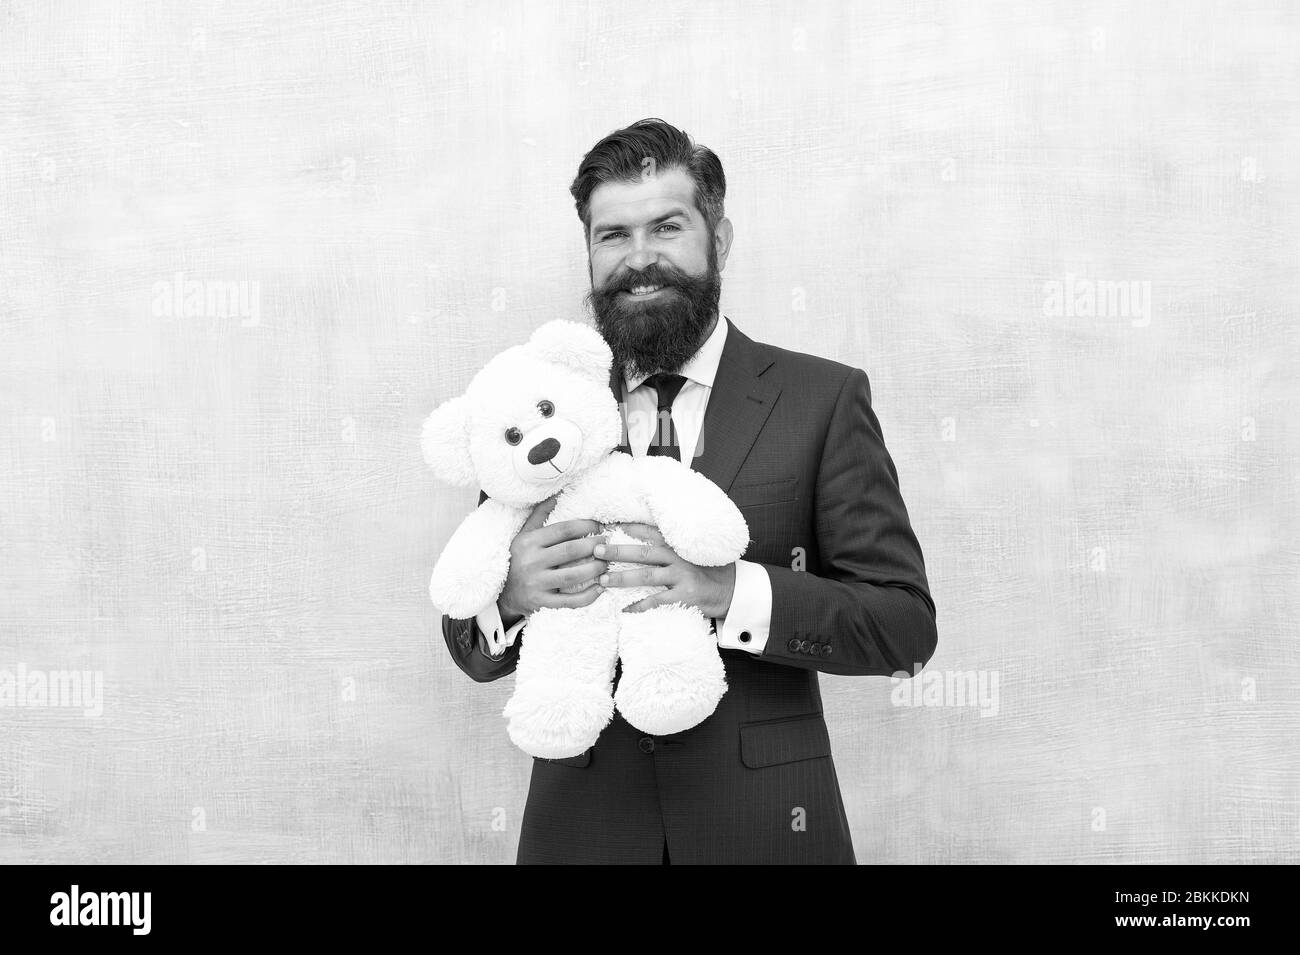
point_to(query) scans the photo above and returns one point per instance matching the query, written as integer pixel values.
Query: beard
(662, 333)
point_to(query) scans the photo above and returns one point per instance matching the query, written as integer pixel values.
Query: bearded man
(833, 581)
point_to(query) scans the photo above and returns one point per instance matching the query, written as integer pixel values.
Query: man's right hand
(545, 560)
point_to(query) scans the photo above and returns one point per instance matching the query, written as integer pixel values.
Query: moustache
(654, 275)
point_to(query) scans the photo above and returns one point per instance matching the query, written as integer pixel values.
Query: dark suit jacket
(794, 442)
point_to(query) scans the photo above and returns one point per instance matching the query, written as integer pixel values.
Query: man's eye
(669, 225)
(546, 408)
(514, 436)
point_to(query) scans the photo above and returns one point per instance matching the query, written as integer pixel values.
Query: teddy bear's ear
(445, 442)
(580, 347)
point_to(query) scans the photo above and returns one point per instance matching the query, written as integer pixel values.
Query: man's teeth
(646, 289)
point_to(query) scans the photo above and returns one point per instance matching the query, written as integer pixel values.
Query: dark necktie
(663, 442)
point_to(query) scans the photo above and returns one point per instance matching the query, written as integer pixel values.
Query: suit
(794, 442)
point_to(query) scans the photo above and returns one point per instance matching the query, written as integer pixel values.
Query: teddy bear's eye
(514, 435)
(546, 408)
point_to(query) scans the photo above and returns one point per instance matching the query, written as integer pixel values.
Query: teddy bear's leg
(564, 680)
(673, 676)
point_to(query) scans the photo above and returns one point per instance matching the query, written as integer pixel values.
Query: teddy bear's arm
(608, 491)
(471, 571)
(697, 519)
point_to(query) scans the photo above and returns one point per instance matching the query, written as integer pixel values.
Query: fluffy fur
(539, 420)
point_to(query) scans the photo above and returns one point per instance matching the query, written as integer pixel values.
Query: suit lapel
(738, 407)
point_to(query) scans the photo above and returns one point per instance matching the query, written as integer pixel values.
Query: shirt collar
(702, 367)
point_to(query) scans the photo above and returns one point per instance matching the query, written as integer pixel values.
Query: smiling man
(833, 580)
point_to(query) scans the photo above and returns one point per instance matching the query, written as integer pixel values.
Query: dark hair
(621, 157)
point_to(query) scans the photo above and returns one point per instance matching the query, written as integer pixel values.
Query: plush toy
(536, 421)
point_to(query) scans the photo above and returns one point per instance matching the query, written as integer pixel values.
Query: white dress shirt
(746, 625)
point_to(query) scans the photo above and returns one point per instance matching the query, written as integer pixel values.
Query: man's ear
(722, 236)
(579, 347)
(445, 443)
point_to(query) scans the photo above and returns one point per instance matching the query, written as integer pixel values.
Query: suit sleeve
(748, 622)
(469, 650)
(868, 612)
(469, 646)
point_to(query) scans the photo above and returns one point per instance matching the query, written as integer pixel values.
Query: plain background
(231, 520)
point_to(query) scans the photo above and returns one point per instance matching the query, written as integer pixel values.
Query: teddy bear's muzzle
(543, 451)
(547, 452)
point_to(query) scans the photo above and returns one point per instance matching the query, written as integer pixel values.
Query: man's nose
(543, 451)
(641, 256)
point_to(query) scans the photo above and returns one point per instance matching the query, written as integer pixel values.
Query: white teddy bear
(537, 420)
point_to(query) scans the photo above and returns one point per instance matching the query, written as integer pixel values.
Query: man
(833, 580)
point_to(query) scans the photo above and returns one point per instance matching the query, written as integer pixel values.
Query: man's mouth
(643, 291)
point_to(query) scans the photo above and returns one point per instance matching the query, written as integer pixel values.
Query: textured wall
(212, 495)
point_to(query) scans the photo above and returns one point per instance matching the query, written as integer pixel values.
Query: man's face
(655, 270)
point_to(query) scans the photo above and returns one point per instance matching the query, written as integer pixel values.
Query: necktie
(663, 442)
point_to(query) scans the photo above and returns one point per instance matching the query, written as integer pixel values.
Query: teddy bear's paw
(672, 674)
(555, 719)
(709, 537)
(671, 698)
(462, 598)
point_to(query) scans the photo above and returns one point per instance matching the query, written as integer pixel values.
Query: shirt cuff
(748, 620)
(494, 638)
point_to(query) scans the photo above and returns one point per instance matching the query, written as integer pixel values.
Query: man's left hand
(708, 588)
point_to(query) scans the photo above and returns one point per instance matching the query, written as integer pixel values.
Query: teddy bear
(539, 420)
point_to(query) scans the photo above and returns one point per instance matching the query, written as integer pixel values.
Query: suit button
(815, 649)
(744, 636)
(647, 745)
(826, 649)
(803, 646)
(793, 645)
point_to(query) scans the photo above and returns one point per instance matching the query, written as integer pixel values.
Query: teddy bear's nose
(543, 451)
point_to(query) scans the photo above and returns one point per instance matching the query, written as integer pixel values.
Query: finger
(648, 603)
(570, 552)
(581, 573)
(566, 531)
(646, 553)
(575, 562)
(581, 599)
(642, 532)
(537, 516)
(637, 577)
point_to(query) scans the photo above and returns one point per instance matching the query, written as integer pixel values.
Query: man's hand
(709, 588)
(544, 560)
